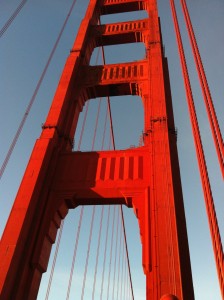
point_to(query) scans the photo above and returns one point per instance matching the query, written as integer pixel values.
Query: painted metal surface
(146, 178)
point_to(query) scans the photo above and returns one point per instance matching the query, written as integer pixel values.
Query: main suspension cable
(214, 124)
(209, 202)
(12, 17)
(31, 102)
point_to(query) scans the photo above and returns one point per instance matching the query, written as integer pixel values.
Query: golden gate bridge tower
(146, 178)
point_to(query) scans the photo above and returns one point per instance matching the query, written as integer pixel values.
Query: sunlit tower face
(144, 177)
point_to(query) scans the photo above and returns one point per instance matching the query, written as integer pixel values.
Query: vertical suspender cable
(119, 264)
(109, 107)
(30, 104)
(122, 272)
(82, 209)
(111, 248)
(126, 250)
(97, 119)
(125, 281)
(88, 251)
(104, 129)
(97, 253)
(209, 203)
(217, 137)
(115, 257)
(74, 254)
(54, 261)
(83, 126)
(104, 256)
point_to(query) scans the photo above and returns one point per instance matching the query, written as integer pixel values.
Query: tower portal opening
(127, 119)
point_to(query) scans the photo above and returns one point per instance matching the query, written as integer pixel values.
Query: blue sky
(24, 50)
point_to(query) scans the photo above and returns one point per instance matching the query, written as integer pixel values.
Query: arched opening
(121, 53)
(109, 265)
(127, 119)
(124, 16)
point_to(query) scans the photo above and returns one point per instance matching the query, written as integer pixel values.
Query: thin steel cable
(122, 271)
(31, 102)
(82, 209)
(54, 260)
(126, 250)
(81, 213)
(111, 248)
(115, 255)
(104, 129)
(97, 253)
(209, 202)
(119, 266)
(105, 254)
(97, 120)
(98, 110)
(125, 280)
(102, 210)
(83, 126)
(88, 251)
(109, 107)
(12, 17)
(85, 117)
(109, 144)
(75, 252)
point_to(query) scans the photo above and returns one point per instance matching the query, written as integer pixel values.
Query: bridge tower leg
(145, 178)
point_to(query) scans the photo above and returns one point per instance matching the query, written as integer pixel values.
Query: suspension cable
(109, 107)
(104, 129)
(111, 247)
(209, 203)
(83, 126)
(105, 254)
(97, 120)
(122, 272)
(97, 253)
(119, 264)
(115, 256)
(126, 250)
(125, 281)
(31, 102)
(88, 251)
(54, 260)
(81, 213)
(74, 254)
(12, 17)
(214, 124)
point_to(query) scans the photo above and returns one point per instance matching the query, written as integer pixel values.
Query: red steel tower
(145, 178)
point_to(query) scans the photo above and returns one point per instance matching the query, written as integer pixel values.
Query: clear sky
(24, 50)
